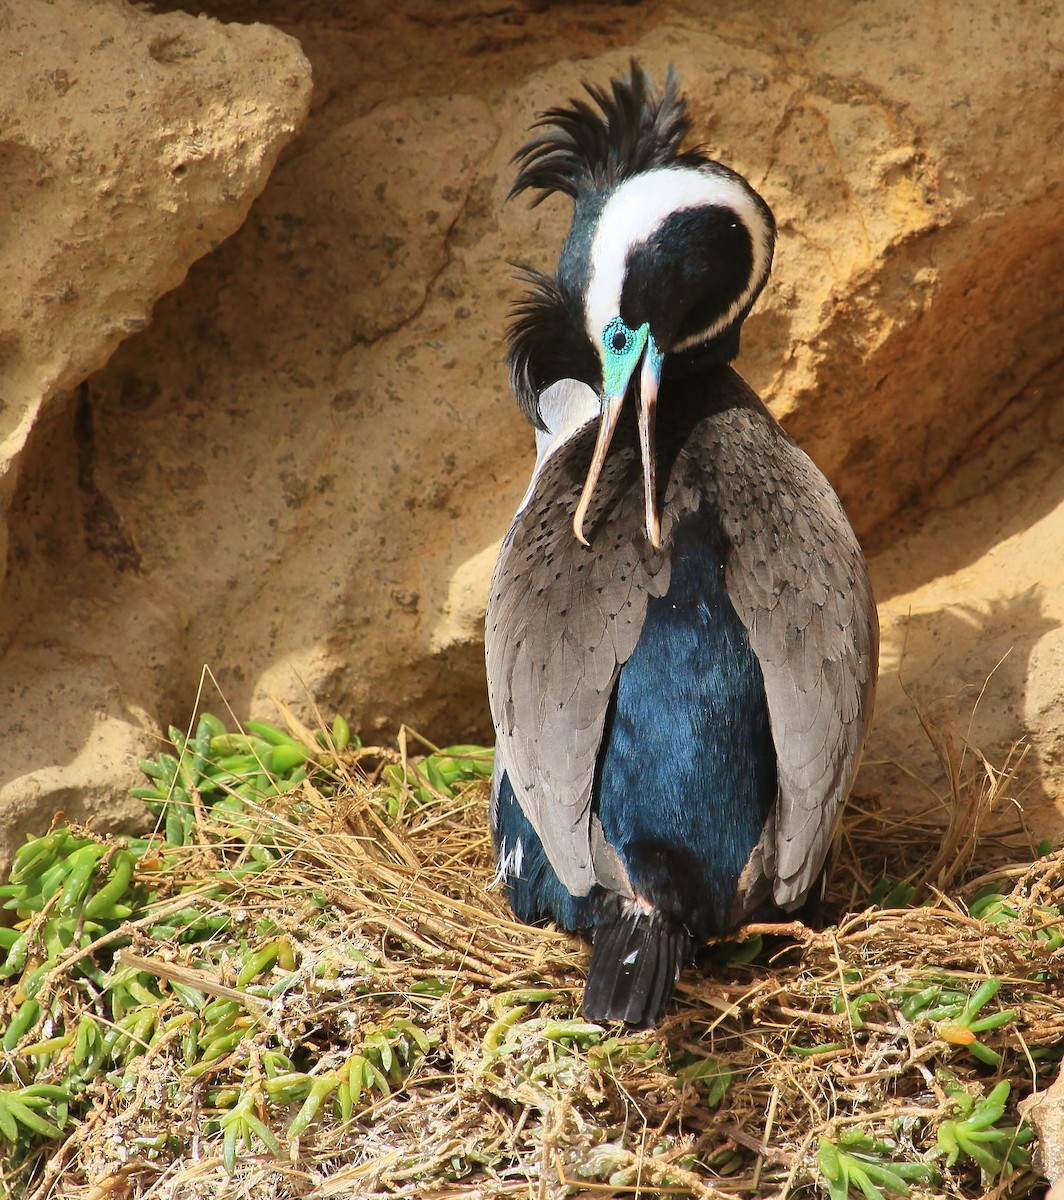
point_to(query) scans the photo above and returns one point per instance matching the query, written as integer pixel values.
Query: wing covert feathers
(798, 581)
(562, 619)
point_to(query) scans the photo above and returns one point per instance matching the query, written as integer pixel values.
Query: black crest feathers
(636, 128)
(546, 343)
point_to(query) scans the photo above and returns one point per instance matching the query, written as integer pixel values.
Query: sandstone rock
(312, 454)
(1044, 1110)
(131, 145)
(972, 611)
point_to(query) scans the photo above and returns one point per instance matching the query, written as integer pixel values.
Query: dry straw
(398, 954)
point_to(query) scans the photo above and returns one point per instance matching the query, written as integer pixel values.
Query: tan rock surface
(972, 611)
(130, 145)
(1044, 1111)
(311, 454)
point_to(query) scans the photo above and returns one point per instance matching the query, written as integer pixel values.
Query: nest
(360, 1016)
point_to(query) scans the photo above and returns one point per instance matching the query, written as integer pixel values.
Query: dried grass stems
(508, 1093)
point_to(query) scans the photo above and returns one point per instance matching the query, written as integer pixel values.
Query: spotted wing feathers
(561, 620)
(799, 584)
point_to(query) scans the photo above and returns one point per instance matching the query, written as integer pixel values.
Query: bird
(681, 639)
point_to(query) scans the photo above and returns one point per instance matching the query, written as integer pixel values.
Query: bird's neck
(697, 359)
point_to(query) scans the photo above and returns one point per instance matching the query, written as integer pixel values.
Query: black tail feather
(635, 962)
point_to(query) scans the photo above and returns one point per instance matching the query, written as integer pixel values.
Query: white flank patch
(638, 208)
(510, 863)
(565, 407)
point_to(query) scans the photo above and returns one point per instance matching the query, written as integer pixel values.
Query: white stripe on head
(638, 208)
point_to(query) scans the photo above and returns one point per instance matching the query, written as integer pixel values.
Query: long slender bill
(646, 407)
(611, 411)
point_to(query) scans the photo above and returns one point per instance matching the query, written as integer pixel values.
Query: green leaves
(995, 909)
(859, 1164)
(955, 1013)
(888, 894)
(438, 774)
(385, 1058)
(242, 1125)
(975, 1133)
(960, 1024)
(59, 871)
(38, 1110)
(215, 766)
(708, 1073)
(71, 889)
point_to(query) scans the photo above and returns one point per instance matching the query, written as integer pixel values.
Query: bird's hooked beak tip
(608, 418)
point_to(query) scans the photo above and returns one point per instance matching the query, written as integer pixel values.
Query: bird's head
(667, 252)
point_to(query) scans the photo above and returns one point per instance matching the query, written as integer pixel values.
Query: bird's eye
(617, 337)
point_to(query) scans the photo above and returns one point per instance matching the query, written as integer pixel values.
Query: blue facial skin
(623, 349)
(687, 771)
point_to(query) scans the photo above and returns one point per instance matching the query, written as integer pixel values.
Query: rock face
(300, 473)
(130, 145)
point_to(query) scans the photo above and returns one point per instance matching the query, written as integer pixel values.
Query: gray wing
(799, 584)
(561, 620)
